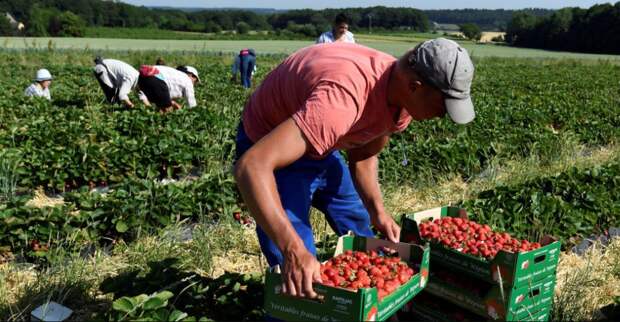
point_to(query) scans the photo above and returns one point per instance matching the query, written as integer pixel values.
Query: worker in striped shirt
(164, 85)
(117, 79)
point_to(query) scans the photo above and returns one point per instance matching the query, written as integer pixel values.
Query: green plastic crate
(510, 269)
(337, 304)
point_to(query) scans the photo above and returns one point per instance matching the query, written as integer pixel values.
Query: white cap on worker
(193, 71)
(43, 75)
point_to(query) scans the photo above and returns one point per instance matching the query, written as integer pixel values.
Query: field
(395, 44)
(102, 205)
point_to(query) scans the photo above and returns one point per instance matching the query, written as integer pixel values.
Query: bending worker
(163, 85)
(244, 64)
(327, 98)
(117, 79)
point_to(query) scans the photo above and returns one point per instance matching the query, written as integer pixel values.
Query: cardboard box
(493, 302)
(337, 304)
(511, 269)
(427, 307)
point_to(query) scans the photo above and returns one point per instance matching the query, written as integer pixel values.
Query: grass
(395, 45)
(587, 283)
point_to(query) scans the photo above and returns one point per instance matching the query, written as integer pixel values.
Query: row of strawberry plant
(133, 206)
(574, 203)
(524, 108)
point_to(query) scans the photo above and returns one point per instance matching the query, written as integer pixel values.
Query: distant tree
(67, 24)
(242, 28)
(5, 26)
(471, 31)
(212, 26)
(521, 24)
(39, 20)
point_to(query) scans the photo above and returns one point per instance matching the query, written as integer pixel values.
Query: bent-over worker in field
(327, 98)
(163, 85)
(245, 65)
(117, 79)
(41, 85)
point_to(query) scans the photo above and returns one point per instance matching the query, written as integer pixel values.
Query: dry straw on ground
(41, 200)
(587, 283)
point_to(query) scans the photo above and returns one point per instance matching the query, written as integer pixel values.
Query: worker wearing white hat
(41, 85)
(163, 85)
(117, 79)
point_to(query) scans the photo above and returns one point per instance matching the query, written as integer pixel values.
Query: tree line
(47, 17)
(486, 19)
(593, 30)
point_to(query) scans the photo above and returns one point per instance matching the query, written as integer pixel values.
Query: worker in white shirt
(340, 31)
(41, 85)
(163, 85)
(117, 79)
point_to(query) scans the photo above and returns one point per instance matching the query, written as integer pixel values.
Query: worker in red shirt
(323, 99)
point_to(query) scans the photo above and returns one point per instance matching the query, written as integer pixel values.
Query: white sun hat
(43, 75)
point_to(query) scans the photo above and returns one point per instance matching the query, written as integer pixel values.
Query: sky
(320, 4)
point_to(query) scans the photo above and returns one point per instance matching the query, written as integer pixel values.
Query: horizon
(323, 4)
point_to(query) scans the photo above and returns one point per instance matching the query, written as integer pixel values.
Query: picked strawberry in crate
(368, 279)
(355, 269)
(475, 250)
(470, 237)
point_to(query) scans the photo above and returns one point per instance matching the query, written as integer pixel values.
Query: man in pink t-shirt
(323, 99)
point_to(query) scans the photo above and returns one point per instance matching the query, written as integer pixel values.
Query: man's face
(193, 78)
(341, 28)
(426, 102)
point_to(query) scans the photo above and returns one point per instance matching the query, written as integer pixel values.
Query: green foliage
(5, 26)
(595, 30)
(471, 31)
(242, 28)
(229, 297)
(152, 307)
(67, 24)
(574, 203)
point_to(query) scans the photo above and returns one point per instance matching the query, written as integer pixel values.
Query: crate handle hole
(540, 258)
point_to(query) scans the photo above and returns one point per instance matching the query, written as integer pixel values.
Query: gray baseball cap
(447, 66)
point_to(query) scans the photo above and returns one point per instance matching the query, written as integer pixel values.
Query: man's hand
(176, 105)
(301, 269)
(386, 224)
(128, 103)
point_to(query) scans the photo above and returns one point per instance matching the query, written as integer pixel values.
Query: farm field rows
(551, 117)
(395, 45)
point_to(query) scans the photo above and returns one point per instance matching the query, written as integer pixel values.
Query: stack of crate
(509, 287)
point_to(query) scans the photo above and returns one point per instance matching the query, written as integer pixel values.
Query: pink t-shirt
(336, 93)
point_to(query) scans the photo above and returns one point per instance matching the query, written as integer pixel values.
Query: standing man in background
(245, 64)
(340, 31)
(117, 79)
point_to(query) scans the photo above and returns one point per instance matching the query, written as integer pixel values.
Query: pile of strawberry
(354, 270)
(470, 237)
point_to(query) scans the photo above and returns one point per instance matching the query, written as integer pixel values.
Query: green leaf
(177, 315)
(164, 295)
(124, 304)
(121, 226)
(154, 303)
